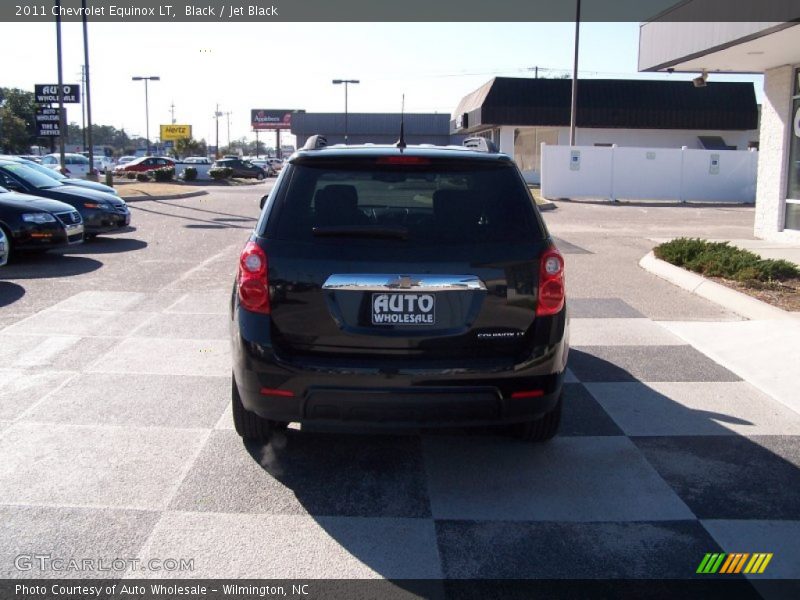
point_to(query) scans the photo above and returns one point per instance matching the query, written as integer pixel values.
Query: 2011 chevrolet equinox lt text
(409, 286)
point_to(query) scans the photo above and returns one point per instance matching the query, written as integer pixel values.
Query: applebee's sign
(271, 119)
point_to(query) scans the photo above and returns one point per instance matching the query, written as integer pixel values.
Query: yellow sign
(175, 132)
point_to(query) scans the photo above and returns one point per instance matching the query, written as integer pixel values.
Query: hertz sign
(176, 132)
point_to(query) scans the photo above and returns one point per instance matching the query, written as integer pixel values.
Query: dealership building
(771, 48)
(375, 128)
(520, 114)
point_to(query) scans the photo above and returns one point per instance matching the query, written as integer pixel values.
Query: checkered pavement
(117, 441)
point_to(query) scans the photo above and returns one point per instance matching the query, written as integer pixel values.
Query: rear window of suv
(430, 201)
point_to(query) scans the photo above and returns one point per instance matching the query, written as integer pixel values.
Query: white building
(519, 114)
(772, 48)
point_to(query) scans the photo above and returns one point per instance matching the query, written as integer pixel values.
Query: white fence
(649, 173)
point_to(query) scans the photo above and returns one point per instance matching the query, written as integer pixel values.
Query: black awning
(612, 103)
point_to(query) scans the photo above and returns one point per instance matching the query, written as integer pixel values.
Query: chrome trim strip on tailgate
(393, 283)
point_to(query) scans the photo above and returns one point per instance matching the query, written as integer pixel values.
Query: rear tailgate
(435, 259)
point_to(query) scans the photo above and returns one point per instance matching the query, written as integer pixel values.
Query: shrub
(719, 259)
(164, 174)
(130, 174)
(190, 174)
(142, 177)
(219, 173)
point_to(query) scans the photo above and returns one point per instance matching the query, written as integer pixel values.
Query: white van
(75, 165)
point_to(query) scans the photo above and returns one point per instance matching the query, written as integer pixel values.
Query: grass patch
(719, 259)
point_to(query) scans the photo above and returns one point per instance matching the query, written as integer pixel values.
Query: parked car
(241, 168)
(275, 163)
(75, 165)
(103, 163)
(124, 160)
(29, 223)
(101, 212)
(144, 164)
(32, 157)
(260, 162)
(85, 183)
(3, 248)
(412, 287)
(196, 160)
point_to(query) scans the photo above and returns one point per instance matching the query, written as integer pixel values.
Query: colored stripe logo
(737, 562)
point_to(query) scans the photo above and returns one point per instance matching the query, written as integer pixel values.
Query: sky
(241, 66)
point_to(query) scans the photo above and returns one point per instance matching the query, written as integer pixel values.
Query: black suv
(241, 168)
(413, 286)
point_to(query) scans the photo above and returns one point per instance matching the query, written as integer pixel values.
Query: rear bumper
(418, 397)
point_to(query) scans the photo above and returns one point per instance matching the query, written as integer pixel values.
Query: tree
(190, 147)
(18, 120)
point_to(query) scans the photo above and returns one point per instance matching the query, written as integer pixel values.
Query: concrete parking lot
(117, 441)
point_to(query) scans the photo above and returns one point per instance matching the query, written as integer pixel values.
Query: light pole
(574, 105)
(346, 82)
(146, 108)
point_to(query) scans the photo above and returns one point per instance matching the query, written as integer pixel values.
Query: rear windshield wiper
(361, 231)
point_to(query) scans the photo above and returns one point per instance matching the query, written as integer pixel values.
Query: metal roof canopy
(609, 103)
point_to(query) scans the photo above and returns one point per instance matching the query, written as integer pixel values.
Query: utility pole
(228, 117)
(172, 111)
(87, 89)
(83, 104)
(572, 115)
(217, 115)
(61, 124)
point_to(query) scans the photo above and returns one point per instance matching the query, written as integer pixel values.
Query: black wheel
(248, 424)
(540, 430)
(260, 176)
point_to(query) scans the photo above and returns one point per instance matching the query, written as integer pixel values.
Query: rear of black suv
(413, 287)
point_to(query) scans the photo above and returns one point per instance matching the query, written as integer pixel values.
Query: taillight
(551, 283)
(252, 281)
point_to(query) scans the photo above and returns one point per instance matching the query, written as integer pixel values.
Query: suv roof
(421, 150)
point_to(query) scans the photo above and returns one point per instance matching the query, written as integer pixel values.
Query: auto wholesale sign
(48, 93)
(48, 123)
(176, 132)
(271, 118)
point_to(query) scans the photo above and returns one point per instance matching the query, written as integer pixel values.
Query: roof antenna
(401, 143)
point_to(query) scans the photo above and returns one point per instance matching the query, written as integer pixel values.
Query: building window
(792, 216)
(528, 144)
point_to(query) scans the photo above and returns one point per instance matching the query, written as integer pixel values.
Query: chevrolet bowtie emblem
(404, 282)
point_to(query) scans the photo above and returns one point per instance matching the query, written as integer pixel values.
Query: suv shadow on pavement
(595, 503)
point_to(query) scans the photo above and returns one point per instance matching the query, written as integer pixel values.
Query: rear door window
(430, 202)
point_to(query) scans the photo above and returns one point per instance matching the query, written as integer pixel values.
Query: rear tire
(540, 430)
(248, 424)
(260, 176)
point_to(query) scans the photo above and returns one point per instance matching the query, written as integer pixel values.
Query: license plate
(403, 309)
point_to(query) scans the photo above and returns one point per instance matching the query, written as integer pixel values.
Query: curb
(168, 197)
(546, 205)
(740, 303)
